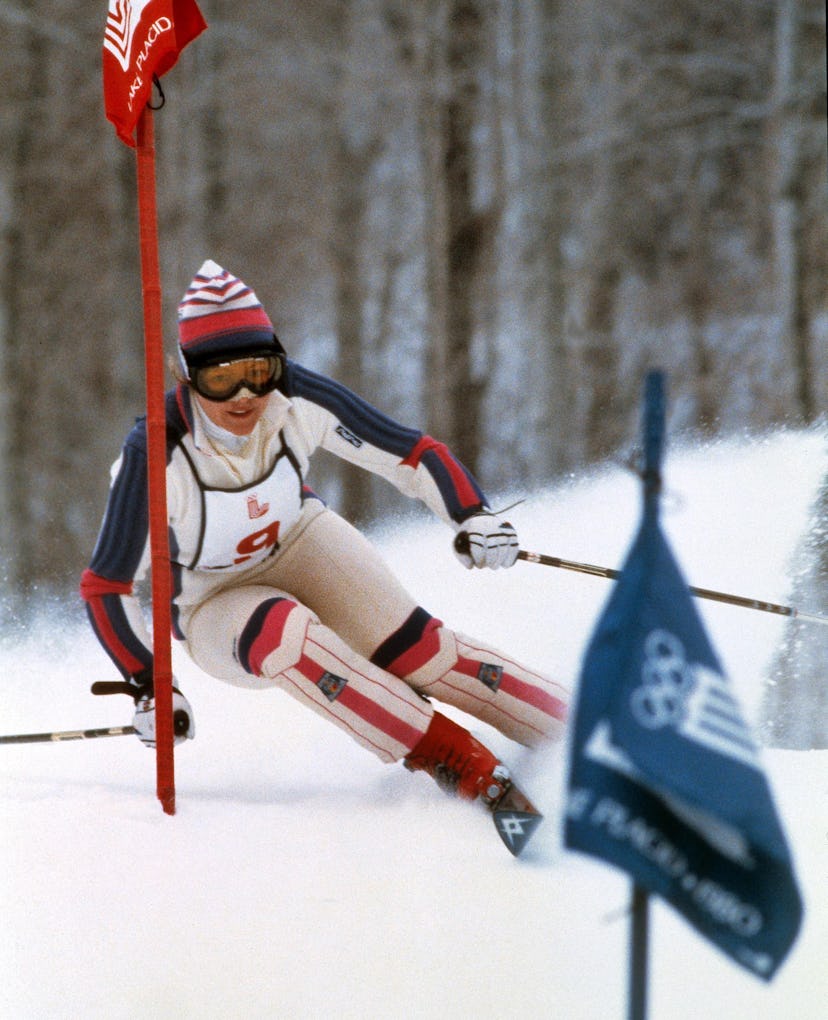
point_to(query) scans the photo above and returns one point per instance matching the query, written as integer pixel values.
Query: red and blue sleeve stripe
(460, 492)
(115, 561)
(109, 621)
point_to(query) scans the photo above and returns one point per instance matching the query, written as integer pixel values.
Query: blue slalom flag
(665, 780)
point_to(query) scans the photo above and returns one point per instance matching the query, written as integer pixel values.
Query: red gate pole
(156, 461)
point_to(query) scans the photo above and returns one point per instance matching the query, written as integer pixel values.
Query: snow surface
(300, 878)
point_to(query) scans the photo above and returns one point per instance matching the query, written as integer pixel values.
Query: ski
(515, 818)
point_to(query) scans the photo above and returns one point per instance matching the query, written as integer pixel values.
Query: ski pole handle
(44, 738)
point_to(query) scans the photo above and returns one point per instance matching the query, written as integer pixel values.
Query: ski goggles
(222, 380)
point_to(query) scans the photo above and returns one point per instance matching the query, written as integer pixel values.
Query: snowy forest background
(487, 216)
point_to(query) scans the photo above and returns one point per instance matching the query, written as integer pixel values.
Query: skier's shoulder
(302, 383)
(313, 398)
(361, 419)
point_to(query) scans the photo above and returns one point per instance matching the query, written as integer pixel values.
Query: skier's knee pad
(421, 650)
(273, 637)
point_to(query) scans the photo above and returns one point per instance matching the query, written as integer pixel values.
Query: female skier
(271, 588)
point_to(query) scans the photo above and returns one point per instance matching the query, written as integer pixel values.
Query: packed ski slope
(302, 879)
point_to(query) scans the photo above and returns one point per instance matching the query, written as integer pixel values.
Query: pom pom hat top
(220, 315)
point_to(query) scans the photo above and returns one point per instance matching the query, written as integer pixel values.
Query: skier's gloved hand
(141, 692)
(144, 719)
(485, 541)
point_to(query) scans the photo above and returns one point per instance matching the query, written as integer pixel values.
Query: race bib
(242, 527)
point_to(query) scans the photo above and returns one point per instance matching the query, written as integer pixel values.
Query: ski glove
(144, 718)
(485, 541)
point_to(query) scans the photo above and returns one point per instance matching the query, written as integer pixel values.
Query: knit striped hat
(220, 314)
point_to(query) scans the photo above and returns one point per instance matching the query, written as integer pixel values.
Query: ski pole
(702, 593)
(38, 738)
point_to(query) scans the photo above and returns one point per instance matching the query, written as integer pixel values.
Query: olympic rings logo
(667, 682)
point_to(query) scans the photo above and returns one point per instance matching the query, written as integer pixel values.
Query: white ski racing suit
(271, 587)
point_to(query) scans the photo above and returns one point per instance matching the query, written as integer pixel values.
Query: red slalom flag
(143, 38)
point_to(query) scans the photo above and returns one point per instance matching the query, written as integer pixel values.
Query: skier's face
(239, 415)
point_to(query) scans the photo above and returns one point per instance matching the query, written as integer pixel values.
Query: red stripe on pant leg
(386, 687)
(539, 699)
(364, 707)
(519, 689)
(303, 691)
(380, 718)
(488, 703)
(420, 653)
(270, 636)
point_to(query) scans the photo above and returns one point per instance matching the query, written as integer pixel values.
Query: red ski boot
(459, 763)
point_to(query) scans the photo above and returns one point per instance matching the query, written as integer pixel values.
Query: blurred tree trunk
(519, 329)
(596, 266)
(698, 274)
(788, 207)
(467, 225)
(544, 26)
(431, 62)
(355, 146)
(19, 465)
(352, 174)
(210, 67)
(451, 45)
(119, 378)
